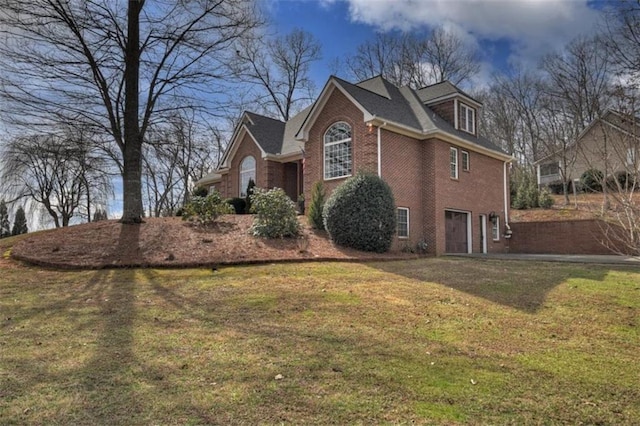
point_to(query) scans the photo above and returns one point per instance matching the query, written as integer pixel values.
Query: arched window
(337, 151)
(247, 172)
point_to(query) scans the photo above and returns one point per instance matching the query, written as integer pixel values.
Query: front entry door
(456, 232)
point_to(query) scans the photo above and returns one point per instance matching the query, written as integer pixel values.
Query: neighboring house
(609, 144)
(450, 185)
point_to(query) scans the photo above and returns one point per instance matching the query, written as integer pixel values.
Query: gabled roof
(394, 108)
(376, 85)
(611, 118)
(401, 108)
(266, 131)
(290, 145)
(441, 91)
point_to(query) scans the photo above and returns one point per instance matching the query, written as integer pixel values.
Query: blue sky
(505, 31)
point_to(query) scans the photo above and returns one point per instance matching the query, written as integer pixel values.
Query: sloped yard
(428, 341)
(171, 242)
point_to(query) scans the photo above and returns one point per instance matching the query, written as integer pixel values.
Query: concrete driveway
(576, 258)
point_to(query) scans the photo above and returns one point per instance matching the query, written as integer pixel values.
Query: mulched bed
(171, 242)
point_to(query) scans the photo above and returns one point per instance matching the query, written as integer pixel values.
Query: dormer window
(467, 119)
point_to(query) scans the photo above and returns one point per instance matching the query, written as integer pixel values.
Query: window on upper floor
(453, 162)
(247, 173)
(402, 216)
(467, 119)
(465, 161)
(337, 151)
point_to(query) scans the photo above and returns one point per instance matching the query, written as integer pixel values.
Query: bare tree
(617, 151)
(522, 94)
(559, 140)
(408, 60)
(176, 156)
(622, 40)
(445, 57)
(383, 56)
(579, 80)
(279, 70)
(499, 120)
(114, 67)
(54, 171)
(5, 226)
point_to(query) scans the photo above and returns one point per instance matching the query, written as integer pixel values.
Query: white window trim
(495, 229)
(453, 163)
(248, 171)
(324, 151)
(404, 237)
(467, 111)
(465, 167)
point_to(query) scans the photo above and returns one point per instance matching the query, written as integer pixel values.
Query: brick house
(450, 185)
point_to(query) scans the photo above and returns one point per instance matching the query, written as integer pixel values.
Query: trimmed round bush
(361, 214)
(592, 180)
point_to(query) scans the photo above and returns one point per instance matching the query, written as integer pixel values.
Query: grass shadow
(523, 285)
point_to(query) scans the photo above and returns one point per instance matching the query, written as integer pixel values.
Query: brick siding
(445, 110)
(418, 173)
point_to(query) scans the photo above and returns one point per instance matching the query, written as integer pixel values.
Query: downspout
(380, 149)
(506, 200)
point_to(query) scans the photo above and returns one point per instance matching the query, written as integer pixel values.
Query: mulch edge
(192, 265)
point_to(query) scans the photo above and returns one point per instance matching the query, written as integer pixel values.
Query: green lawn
(435, 341)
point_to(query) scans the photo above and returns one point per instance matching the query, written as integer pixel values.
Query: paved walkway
(576, 258)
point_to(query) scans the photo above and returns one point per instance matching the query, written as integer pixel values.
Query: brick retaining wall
(560, 237)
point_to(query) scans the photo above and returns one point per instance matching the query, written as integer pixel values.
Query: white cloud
(533, 27)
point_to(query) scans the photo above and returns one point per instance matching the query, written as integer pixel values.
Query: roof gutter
(417, 134)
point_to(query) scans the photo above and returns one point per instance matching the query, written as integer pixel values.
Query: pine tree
(5, 226)
(317, 205)
(100, 214)
(20, 223)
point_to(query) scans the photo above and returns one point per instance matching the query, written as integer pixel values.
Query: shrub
(276, 215)
(625, 181)
(317, 204)
(545, 200)
(527, 193)
(361, 213)
(247, 200)
(205, 210)
(591, 180)
(556, 187)
(200, 191)
(239, 204)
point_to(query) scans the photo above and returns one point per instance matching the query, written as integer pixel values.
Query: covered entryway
(293, 179)
(456, 231)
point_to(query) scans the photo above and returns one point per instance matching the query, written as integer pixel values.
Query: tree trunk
(132, 152)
